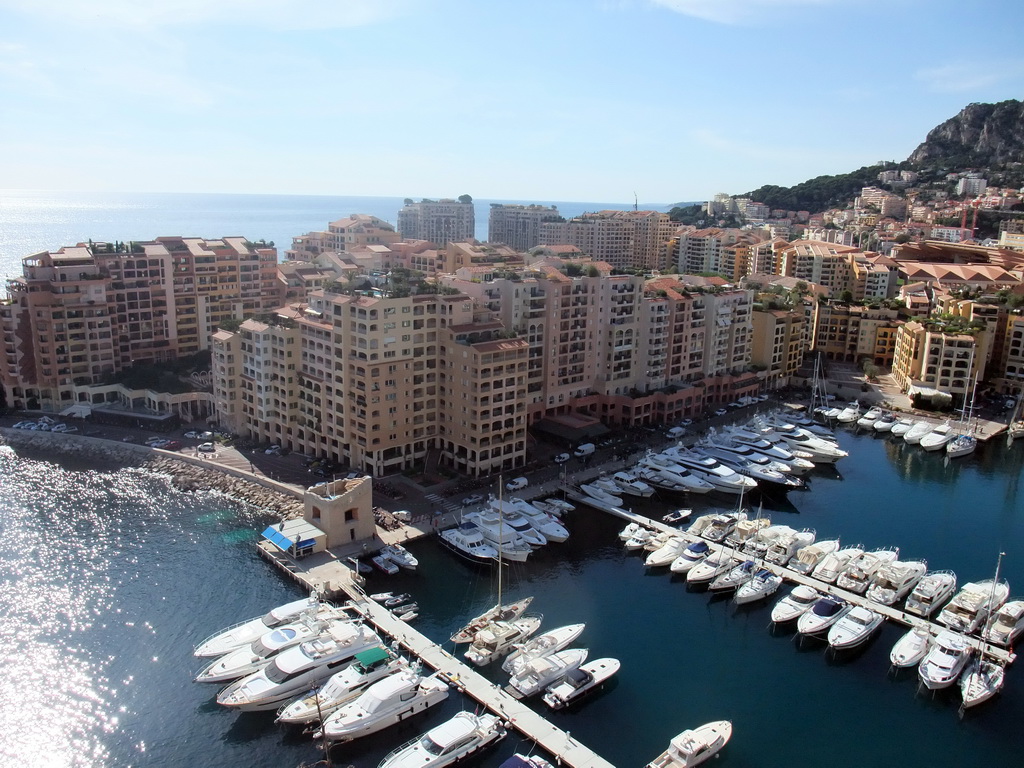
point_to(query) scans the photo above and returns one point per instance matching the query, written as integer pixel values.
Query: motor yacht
(854, 629)
(721, 525)
(759, 471)
(969, 610)
(733, 578)
(711, 567)
(849, 414)
(525, 528)
(885, 424)
(631, 531)
(912, 647)
(930, 593)
(783, 548)
(913, 435)
(658, 539)
(745, 530)
(496, 532)
(243, 633)
(894, 581)
(384, 563)
(549, 526)
(774, 450)
(298, 669)
(822, 615)
(744, 453)
(400, 556)
(463, 735)
(901, 427)
(676, 516)
(859, 573)
(666, 474)
(245, 661)
(383, 704)
(693, 747)
(724, 479)
(467, 541)
(689, 557)
(757, 545)
(668, 552)
(500, 637)
(808, 557)
(821, 451)
(945, 661)
(639, 539)
(601, 495)
(938, 437)
(505, 612)
(794, 605)
(561, 505)
(873, 414)
(576, 683)
(342, 687)
(761, 585)
(980, 681)
(1006, 624)
(538, 673)
(542, 645)
(526, 761)
(632, 485)
(834, 563)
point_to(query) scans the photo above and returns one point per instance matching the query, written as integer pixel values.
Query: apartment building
(926, 356)
(518, 226)
(624, 239)
(438, 221)
(851, 333)
(379, 383)
(705, 250)
(80, 314)
(827, 264)
(777, 344)
(874, 277)
(463, 254)
(357, 230)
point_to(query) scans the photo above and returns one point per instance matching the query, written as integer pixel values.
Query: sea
(34, 220)
(111, 577)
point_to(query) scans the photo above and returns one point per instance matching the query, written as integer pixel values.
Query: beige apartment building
(928, 357)
(82, 313)
(778, 343)
(438, 221)
(827, 264)
(851, 333)
(624, 239)
(347, 234)
(379, 384)
(518, 226)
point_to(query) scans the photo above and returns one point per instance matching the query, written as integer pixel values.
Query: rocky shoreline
(185, 475)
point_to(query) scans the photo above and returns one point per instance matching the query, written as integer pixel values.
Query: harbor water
(111, 577)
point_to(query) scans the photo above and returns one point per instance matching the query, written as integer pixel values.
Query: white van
(584, 450)
(676, 432)
(516, 484)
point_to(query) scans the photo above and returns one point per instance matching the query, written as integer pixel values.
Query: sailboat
(1016, 423)
(820, 405)
(983, 678)
(965, 441)
(499, 612)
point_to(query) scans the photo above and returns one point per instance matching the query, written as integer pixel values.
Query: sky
(664, 100)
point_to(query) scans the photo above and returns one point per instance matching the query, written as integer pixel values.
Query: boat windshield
(826, 607)
(430, 746)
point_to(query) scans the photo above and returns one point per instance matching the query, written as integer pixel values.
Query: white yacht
(505, 612)
(795, 604)
(707, 468)
(447, 743)
(873, 414)
(711, 567)
(576, 683)
(538, 673)
(668, 552)
(807, 558)
(500, 637)
(762, 584)
(720, 526)
(859, 573)
(298, 669)
(930, 593)
(632, 485)
(912, 647)
(1006, 624)
(633, 530)
(670, 476)
(783, 548)
(522, 525)
(849, 414)
(467, 541)
(639, 538)
(854, 629)
(383, 704)
(894, 581)
(913, 435)
(500, 535)
(777, 450)
(980, 681)
(689, 557)
(733, 578)
(400, 556)
(736, 451)
(961, 445)
(369, 667)
(601, 495)
(885, 424)
(901, 427)
(945, 661)
(546, 523)
(746, 530)
(822, 451)
(938, 437)
(245, 661)
(758, 544)
(973, 604)
(245, 632)
(693, 747)
(822, 615)
(834, 563)
(759, 471)
(542, 645)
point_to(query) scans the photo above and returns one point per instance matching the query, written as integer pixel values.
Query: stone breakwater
(186, 474)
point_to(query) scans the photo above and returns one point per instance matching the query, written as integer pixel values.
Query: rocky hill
(981, 136)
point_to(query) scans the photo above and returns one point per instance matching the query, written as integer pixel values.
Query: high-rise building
(518, 226)
(623, 239)
(342, 236)
(438, 221)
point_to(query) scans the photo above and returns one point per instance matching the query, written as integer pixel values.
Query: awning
(79, 411)
(277, 538)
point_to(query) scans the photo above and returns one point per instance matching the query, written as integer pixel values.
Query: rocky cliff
(981, 135)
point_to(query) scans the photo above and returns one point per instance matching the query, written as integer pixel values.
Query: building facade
(518, 226)
(438, 221)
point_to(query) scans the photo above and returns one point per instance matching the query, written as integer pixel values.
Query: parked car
(207, 447)
(516, 484)
(585, 450)
(61, 427)
(475, 498)
(192, 434)
(721, 412)
(172, 445)
(562, 458)
(70, 428)
(403, 515)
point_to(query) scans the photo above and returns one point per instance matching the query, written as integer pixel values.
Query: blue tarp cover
(277, 538)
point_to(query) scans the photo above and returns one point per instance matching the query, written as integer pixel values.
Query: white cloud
(970, 76)
(272, 14)
(733, 11)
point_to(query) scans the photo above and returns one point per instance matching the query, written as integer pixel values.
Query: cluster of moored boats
(509, 529)
(749, 557)
(954, 439)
